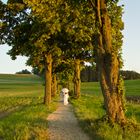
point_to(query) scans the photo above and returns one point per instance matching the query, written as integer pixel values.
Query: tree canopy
(67, 31)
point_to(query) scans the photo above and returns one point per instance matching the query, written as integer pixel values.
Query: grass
(89, 110)
(19, 78)
(23, 115)
(30, 122)
(132, 87)
(20, 85)
(28, 119)
(91, 88)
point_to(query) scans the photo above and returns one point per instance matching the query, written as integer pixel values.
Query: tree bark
(48, 79)
(77, 78)
(54, 85)
(108, 66)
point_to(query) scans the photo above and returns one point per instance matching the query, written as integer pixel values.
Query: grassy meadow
(23, 116)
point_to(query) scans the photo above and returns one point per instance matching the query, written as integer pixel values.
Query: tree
(24, 72)
(53, 24)
(78, 38)
(28, 35)
(129, 75)
(89, 74)
(108, 63)
(2, 11)
(34, 28)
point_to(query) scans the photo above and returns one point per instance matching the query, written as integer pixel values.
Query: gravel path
(63, 125)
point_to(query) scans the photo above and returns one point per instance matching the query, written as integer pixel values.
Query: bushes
(24, 72)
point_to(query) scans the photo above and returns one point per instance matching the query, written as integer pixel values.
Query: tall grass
(89, 109)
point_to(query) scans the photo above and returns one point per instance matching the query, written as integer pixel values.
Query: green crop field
(23, 115)
(132, 87)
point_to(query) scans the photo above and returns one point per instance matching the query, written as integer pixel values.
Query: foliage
(89, 74)
(66, 30)
(24, 72)
(130, 75)
(115, 13)
(121, 92)
(2, 24)
(36, 71)
(34, 33)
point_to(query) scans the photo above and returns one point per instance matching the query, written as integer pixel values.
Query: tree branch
(92, 4)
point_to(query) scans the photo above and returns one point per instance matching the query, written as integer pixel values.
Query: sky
(131, 45)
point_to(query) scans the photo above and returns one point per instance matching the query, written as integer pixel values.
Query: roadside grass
(23, 115)
(89, 110)
(29, 122)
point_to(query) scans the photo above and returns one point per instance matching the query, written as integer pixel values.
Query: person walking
(65, 95)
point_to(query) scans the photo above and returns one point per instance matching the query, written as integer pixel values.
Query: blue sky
(131, 45)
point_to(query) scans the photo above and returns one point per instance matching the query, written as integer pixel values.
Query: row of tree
(58, 36)
(25, 71)
(87, 74)
(130, 75)
(90, 74)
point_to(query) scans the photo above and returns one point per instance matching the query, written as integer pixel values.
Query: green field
(23, 115)
(89, 109)
(92, 93)
(132, 87)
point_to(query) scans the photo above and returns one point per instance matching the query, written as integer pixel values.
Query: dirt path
(63, 125)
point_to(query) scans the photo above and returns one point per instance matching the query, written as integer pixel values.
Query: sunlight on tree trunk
(54, 85)
(77, 78)
(108, 66)
(48, 79)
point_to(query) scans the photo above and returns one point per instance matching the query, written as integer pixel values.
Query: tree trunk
(77, 78)
(108, 66)
(48, 79)
(54, 85)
